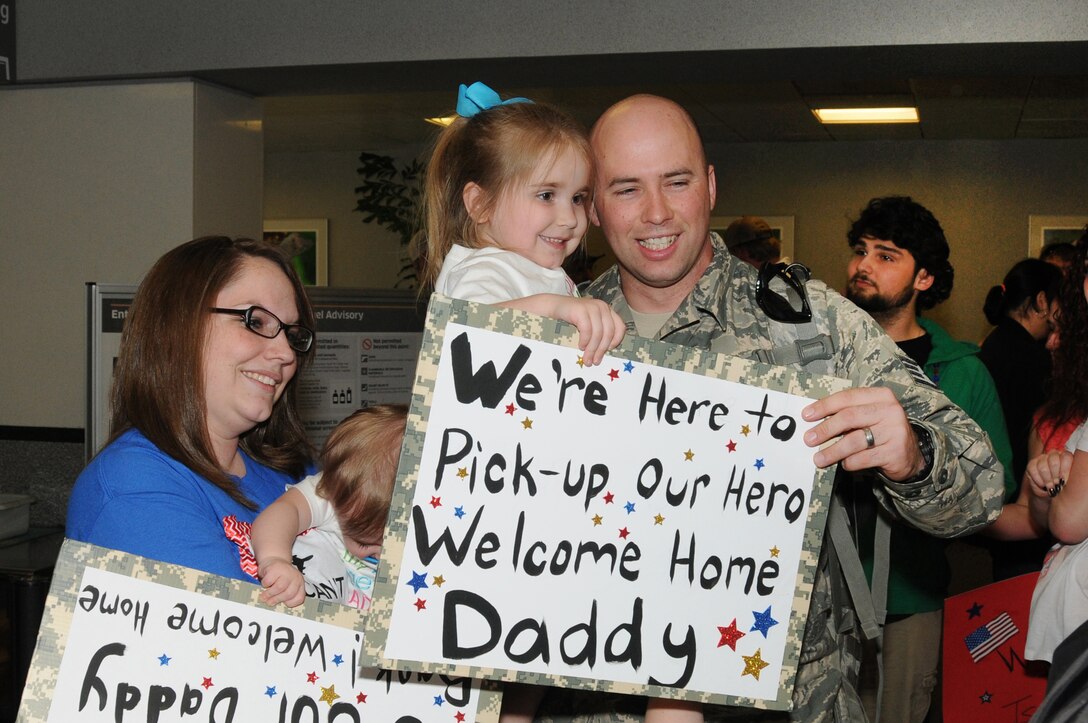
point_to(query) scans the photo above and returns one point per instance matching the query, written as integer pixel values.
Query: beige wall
(981, 191)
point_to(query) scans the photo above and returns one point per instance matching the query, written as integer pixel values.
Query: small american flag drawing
(985, 639)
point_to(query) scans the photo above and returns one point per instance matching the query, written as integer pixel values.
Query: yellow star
(745, 430)
(528, 423)
(329, 694)
(581, 362)
(774, 551)
(689, 455)
(439, 580)
(658, 519)
(597, 520)
(213, 653)
(463, 472)
(753, 664)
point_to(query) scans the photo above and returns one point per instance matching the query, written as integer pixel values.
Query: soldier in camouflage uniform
(928, 463)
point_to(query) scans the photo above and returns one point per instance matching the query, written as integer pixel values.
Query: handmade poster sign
(651, 524)
(130, 639)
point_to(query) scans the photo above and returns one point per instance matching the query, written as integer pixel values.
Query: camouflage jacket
(962, 492)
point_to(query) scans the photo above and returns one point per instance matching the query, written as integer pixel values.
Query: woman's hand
(1047, 473)
(282, 583)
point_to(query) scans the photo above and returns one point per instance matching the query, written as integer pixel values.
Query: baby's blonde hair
(494, 149)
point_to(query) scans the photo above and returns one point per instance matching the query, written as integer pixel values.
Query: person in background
(752, 240)
(204, 432)
(505, 199)
(1059, 253)
(1022, 309)
(675, 281)
(325, 533)
(899, 267)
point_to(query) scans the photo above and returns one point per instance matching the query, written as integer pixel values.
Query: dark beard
(878, 303)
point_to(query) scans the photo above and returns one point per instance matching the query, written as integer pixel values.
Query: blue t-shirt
(133, 497)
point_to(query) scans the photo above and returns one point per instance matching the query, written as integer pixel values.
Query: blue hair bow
(478, 97)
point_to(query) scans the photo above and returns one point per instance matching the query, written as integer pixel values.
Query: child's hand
(599, 328)
(282, 583)
(1047, 473)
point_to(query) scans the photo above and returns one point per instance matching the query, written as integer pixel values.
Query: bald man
(928, 463)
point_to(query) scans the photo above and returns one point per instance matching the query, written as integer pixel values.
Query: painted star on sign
(764, 621)
(658, 518)
(213, 654)
(459, 511)
(510, 409)
(581, 361)
(614, 374)
(974, 611)
(753, 664)
(164, 659)
(338, 660)
(731, 446)
(730, 635)
(436, 502)
(207, 683)
(438, 700)
(462, 472)
(597, 520)
(311, 677)
(775, 551)
(438, 581)
(328, 695)
(630, 507)
(608, 497)
(624, 533)
(460, 717)
(270, 691)
(689, 455)
(527, 424)
(420, 604)
(628, 367)
(759, 464)
(987, 697)
(745, 430)
(418, 581)
(360, 698)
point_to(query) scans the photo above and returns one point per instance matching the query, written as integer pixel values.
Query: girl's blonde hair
(495, 149)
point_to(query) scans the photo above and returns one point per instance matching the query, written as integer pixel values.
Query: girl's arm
(1068, 513)
(273, 534)
(1025, 517)
(599, 328)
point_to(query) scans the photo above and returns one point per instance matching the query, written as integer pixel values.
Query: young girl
(505, 203)
(321, 538)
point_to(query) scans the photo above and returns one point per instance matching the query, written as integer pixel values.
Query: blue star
(986, 697)
(759, 464)
(338, 659)
(630, 507)
(438, 700)
(764, 621)
(270, 691)
(628, 367)
(974, 611)
(459, 512)
(164, 659)
(419, 579)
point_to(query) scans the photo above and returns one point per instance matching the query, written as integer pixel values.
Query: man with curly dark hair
(899, 268)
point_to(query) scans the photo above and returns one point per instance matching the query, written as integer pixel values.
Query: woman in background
(204, 433)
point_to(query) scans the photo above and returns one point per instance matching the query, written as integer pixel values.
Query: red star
(361, 698)
(732, 446)
(460, 717)
(207, 683)
(730, 635)
(420, 604)
(510, 409)
(624, 533)
(436, 502)
(608, 497)
(614, 374)
(311, 677)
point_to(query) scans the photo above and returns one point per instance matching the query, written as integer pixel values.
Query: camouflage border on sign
(442, 311)
(60, 606)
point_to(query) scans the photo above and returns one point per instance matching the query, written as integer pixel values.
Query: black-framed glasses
(792, 307)
(263, 322)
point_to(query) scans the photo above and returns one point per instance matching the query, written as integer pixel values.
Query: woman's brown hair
(158, 385)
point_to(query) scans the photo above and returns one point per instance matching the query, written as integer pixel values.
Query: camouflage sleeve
(965, 487)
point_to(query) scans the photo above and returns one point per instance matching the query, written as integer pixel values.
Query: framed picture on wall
(1045, 230)
(306, 242)
(782, 226)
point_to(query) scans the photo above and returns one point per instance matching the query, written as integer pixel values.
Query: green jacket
(919, 575)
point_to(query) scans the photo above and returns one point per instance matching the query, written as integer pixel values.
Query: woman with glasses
(204, 432)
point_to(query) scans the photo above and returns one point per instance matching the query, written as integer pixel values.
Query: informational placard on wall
(126, 638)
(367, 343)
(649, 525)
